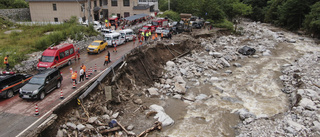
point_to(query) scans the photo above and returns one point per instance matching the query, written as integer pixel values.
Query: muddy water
(255, 86)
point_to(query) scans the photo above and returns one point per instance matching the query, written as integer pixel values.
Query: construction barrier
(37, 112)
(95, 67)
(74, 84)
(61, 95)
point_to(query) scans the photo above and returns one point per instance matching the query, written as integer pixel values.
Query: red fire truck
(160, 23)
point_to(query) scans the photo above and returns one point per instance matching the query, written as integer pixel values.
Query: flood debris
(246, 50)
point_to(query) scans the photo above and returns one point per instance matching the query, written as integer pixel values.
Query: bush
(223, 24)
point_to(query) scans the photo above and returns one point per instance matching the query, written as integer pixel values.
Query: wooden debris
(183, 98)
(124, 129)
(316, 85)
(110, 130)
(156, 126)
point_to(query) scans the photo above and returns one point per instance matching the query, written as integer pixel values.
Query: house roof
(141, 7)
(55, 0)
(134, 17)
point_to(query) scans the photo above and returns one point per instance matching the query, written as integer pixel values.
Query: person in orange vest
(106, 60)
(78, 53)
(6, 62)
(156, 36)
(161, 35)
(74, 77)
(153, 37)
(84, 69)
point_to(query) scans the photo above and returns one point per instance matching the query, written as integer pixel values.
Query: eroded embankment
(142, 67)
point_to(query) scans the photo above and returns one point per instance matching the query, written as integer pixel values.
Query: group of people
(75, 74)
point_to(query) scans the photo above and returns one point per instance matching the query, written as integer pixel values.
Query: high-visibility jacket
(153, 37)
(84, 68)
(149, 33)
(142, 33)
(106, 21)
(106, 58)
(156, 35)
(74, 75)
(5, 61)
(161, 34)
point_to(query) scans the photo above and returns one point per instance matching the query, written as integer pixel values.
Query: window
(71, 51)
(142, 0)
(126, 3)
(126, 14)
(61, 54)
(114, 2)
(56, 20)
(95, 3)
(100, 3)
(54, 7)
(66, 53)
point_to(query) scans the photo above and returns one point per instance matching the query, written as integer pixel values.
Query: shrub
(223, 24)
(171, 14)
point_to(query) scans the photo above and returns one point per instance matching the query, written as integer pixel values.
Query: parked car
(97, 46)
(57, 56)
(165, 31)
(41, 84)
(128, 34)
(107, 31)
(11, 82)
(113, 38)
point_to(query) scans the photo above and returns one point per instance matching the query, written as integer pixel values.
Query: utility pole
(168, 4)
(89, 13)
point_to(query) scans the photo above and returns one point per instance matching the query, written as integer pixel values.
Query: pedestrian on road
(78, 53)
(153, 37)
(6, 62)
(74, 77)
(134, 40)
(156, 36)
(169, 35)
(84, 69)
(81, 75)
(115, 47)
(106, 60)
(109, 57)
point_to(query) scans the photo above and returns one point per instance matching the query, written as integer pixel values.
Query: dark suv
(11, 82)
(41, 84)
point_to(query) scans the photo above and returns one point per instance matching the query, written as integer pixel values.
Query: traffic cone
(95, 67)
(87, 77)
(37, 112)
(74, 84)
(90, 70)
(61, 95)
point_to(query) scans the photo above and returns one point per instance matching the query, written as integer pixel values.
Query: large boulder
(153, 92)
(307, 103)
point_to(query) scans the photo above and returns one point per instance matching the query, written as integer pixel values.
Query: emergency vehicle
(57, 56)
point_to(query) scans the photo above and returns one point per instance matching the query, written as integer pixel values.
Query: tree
(272, 14)
(258, 9)
(312, 21)
(292, 14)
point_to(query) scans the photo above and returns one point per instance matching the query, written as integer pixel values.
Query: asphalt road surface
(17, 114)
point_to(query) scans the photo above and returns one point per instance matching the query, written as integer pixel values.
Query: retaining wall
(21, 14)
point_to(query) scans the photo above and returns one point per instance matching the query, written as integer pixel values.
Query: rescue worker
(106, 23)
(150, 33)
(156, 36)
(106, 60)
(6, 62)
(153, 37)
(84, 69)
(142, 34)
(147, 36)
(134, 40)
(74, 77)
(81, 75)
(71, 72)
(161, 35)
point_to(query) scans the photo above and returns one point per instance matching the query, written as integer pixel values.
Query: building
(60, 10)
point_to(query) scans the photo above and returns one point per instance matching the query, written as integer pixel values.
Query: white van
(128, 33)
(114, 37)
(106, 31)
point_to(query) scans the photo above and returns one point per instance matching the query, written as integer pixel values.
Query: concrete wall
(22, 14)
(43, 11)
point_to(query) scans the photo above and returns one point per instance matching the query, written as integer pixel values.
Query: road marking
(63, 101)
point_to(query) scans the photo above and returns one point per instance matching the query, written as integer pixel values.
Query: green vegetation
(10, 4)
(37, 38)
(289, 14)
(170, 14)
(212, 10)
